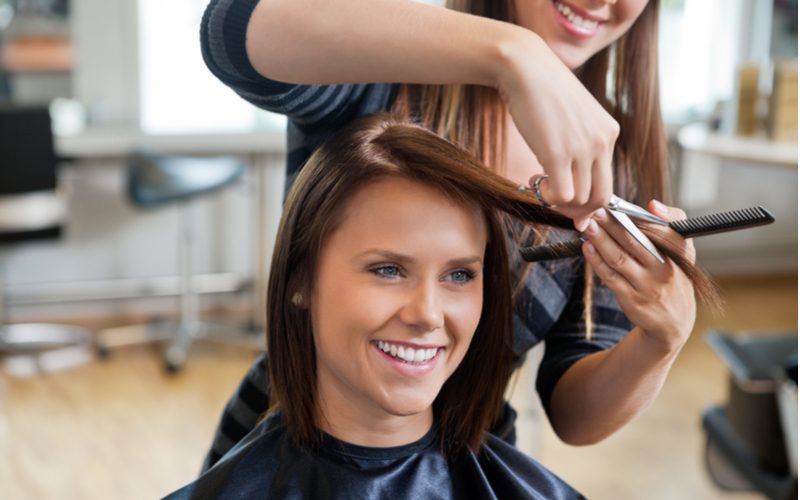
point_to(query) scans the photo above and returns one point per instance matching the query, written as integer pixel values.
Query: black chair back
(29, 206)
(27, 153)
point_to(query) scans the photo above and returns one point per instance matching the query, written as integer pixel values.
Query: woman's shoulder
(246, 469)
(510, 474)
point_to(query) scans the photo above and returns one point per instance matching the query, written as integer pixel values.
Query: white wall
(710, 184)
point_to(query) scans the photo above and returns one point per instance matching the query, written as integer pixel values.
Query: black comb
(688, 228)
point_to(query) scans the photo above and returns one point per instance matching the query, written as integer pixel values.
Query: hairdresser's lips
(575, 21)
(409, 359)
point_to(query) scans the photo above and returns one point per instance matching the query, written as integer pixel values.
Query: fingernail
(580, 225)
(660, 207)
(590, 248)
(591, 228)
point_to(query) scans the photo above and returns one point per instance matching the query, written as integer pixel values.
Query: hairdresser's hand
(658, 298)
(571, 134)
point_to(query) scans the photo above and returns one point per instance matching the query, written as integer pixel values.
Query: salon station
(140, 200)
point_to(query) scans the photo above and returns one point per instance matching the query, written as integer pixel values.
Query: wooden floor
(122, 429)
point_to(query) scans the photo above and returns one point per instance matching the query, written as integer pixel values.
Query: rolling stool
(155, 180)
(32, 209)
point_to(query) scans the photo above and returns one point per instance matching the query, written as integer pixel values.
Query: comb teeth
(723, 221)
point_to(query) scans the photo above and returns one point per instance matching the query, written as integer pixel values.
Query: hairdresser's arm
(355, 41)
(603, 391)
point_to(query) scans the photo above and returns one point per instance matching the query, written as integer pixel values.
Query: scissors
(622, 211)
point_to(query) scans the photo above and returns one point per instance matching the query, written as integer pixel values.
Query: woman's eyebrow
(466, 261)
(402, 258)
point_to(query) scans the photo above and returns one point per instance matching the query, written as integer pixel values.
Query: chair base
(31, 348)
(733, 466)
(179, 335)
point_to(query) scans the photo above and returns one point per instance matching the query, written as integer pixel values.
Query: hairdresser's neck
(366, 424)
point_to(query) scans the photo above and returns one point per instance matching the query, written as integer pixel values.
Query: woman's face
(397, 298)
(578, 29)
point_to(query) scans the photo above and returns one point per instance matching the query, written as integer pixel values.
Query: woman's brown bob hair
(364, 152)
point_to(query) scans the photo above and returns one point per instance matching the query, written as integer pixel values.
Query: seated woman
(389, 310)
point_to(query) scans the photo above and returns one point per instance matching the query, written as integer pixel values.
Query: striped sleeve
(566, 343)
(223, 46)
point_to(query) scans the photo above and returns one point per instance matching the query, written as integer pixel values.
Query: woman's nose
(423, 310)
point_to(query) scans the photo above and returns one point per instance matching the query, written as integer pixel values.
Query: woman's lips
(579, 25)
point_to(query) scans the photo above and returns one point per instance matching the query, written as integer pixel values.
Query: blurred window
(699, 42)
(178, 92)
(703, 42)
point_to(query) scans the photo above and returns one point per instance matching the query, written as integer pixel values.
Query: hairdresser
(533, 88)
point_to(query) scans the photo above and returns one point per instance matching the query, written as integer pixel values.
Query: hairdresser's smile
(396, 301)
(577, 29)
(576, 21)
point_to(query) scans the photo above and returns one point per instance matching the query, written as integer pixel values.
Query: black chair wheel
(172, 368)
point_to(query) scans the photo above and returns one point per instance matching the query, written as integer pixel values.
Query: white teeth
(578, 21)
(407, 354)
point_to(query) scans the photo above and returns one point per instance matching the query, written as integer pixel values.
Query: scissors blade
(619, 205)
(634, 231)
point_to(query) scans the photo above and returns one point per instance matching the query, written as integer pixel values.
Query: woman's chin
(405, 405)
(573, 57)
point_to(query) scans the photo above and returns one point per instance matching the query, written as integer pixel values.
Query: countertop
(120, 141)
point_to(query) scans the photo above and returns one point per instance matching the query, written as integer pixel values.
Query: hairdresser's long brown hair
(367, 150)
(474, 116)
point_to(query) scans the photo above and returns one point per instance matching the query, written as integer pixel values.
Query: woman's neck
(365, 424)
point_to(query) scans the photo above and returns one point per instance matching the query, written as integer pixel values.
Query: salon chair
(156, 180)
(751, 440)
(31, 208)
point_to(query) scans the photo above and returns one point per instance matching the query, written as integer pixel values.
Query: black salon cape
(266, 464)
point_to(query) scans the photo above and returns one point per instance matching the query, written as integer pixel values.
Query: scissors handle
(619, 205)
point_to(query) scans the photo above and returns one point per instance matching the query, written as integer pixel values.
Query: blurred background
(138, 202)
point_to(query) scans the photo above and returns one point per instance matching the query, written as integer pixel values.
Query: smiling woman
(387, 236)
(395, 303)
(389, 314)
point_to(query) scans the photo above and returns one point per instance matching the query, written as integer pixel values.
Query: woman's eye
(461, 276)
(386, 271)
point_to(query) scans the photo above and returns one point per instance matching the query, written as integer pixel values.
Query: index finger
(557, 188)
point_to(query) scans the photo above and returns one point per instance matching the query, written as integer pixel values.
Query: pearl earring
(297, 299)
